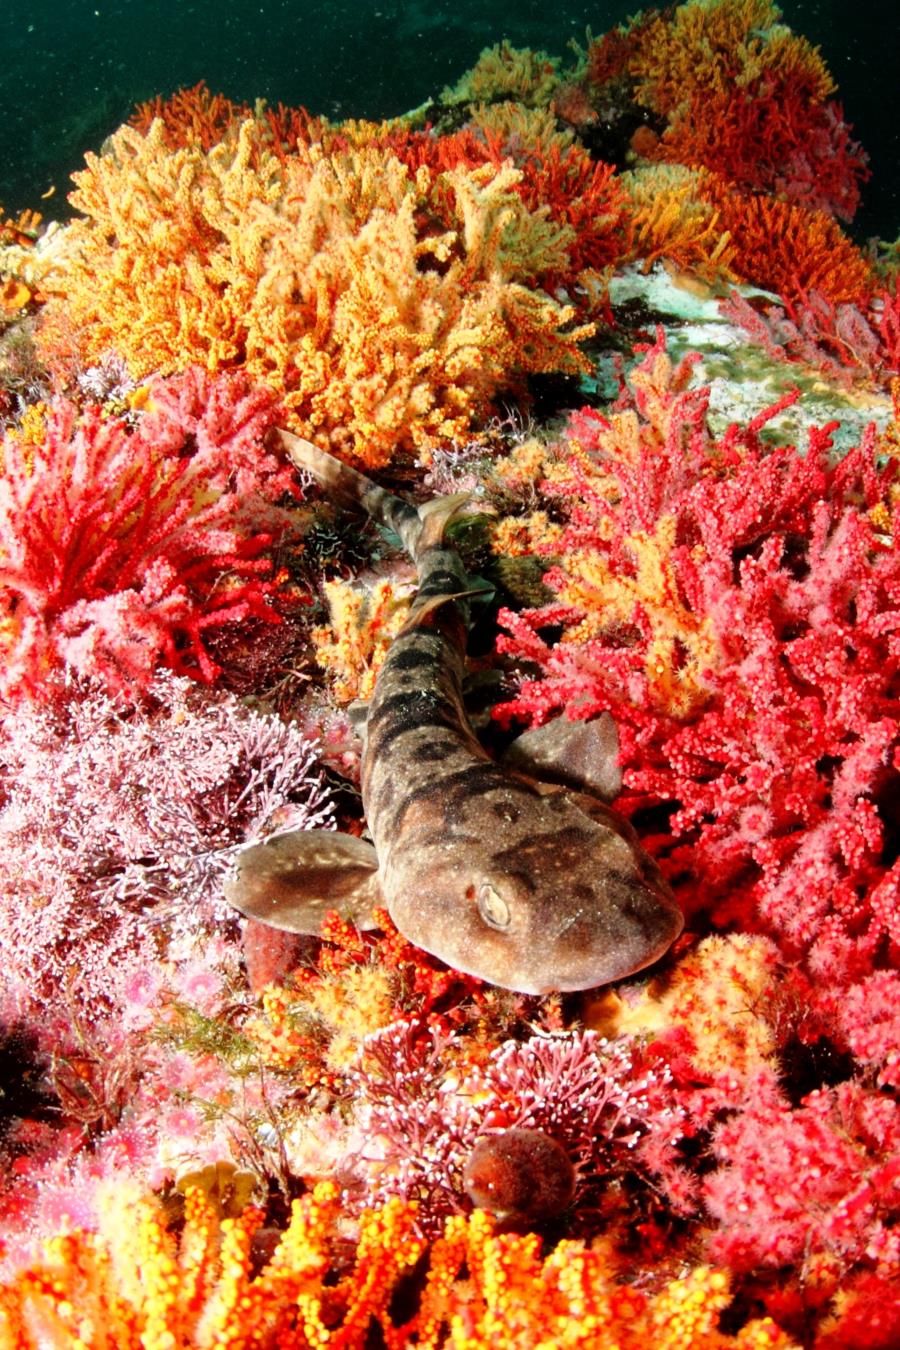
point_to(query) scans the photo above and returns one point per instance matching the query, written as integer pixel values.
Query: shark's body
(532, 886)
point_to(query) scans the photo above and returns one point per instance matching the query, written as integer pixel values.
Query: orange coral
(363, 623)
(671, 218)
(135, 1286)
(14, 295)
(332, 278)
(721, 995)
(788, 248)
(714, 46)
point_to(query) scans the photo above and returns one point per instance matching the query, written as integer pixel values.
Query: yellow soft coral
(721, 993)
(135, 1286)
(364, 622)
(387, 307)
(504, 71)
(671, 219)
(608, 597)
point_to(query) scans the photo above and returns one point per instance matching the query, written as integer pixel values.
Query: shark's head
(567, 909)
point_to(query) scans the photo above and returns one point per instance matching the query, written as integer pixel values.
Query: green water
(73, 69)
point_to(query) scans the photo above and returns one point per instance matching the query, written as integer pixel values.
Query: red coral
(122, 547)
(777, 789)
(774, 141)
(191, 116)
(845, 341)
(574, 189)
(823, 1177)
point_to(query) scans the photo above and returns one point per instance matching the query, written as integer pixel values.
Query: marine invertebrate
(421, 1114)
(121, 546)
(717, 1008)
(520, 1174)
(559, 178)
(789, 248)
(388, 309)
(507, 72)
(847, 342)
(755, 688)
(731, 89)
(118, 824)
(823, 1176)
(230, 1281)
(671, 217)
(363, 621)
(191, 116)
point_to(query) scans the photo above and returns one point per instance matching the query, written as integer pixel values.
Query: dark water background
(72, 70)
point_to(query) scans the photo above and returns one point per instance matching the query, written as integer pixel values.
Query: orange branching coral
(789, 248)
(671, 218)
(507, 72)
(608, 598)
(713, 46)
(134, 1285)
(364, 622)
(335, 279)
(558, 179)
(718, 1000)
(198, 117)
(745, 97)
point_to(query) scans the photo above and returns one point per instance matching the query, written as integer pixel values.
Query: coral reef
(212, 1134)
(122, 545)
(136, 1285)
(388, 309)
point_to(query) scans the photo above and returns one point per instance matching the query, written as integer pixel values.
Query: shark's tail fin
(418, 529)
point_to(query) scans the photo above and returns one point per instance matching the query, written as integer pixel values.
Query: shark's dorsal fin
(436, 516)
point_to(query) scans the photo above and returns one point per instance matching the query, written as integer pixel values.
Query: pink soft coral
(822, 1177)
(121, 546)
(754, 676)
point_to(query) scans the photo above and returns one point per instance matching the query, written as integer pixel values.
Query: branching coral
(847, 342)
(789, 248)
(134, 1284)
(747, 98)
(507, 72)
(363, 621)
(559, 178)
(110, 813)
(751, 665)
(671, 218)
(420, 1114)
(121, 546)
(388, 309)
(822, 1177)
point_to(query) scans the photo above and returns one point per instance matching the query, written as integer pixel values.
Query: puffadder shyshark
(511, 871)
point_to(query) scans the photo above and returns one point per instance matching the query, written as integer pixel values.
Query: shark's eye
(492, 907)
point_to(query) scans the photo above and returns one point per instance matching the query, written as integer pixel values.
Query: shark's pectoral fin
(580, 755)
(291, 881)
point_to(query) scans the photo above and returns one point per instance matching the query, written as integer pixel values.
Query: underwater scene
(450, 680)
